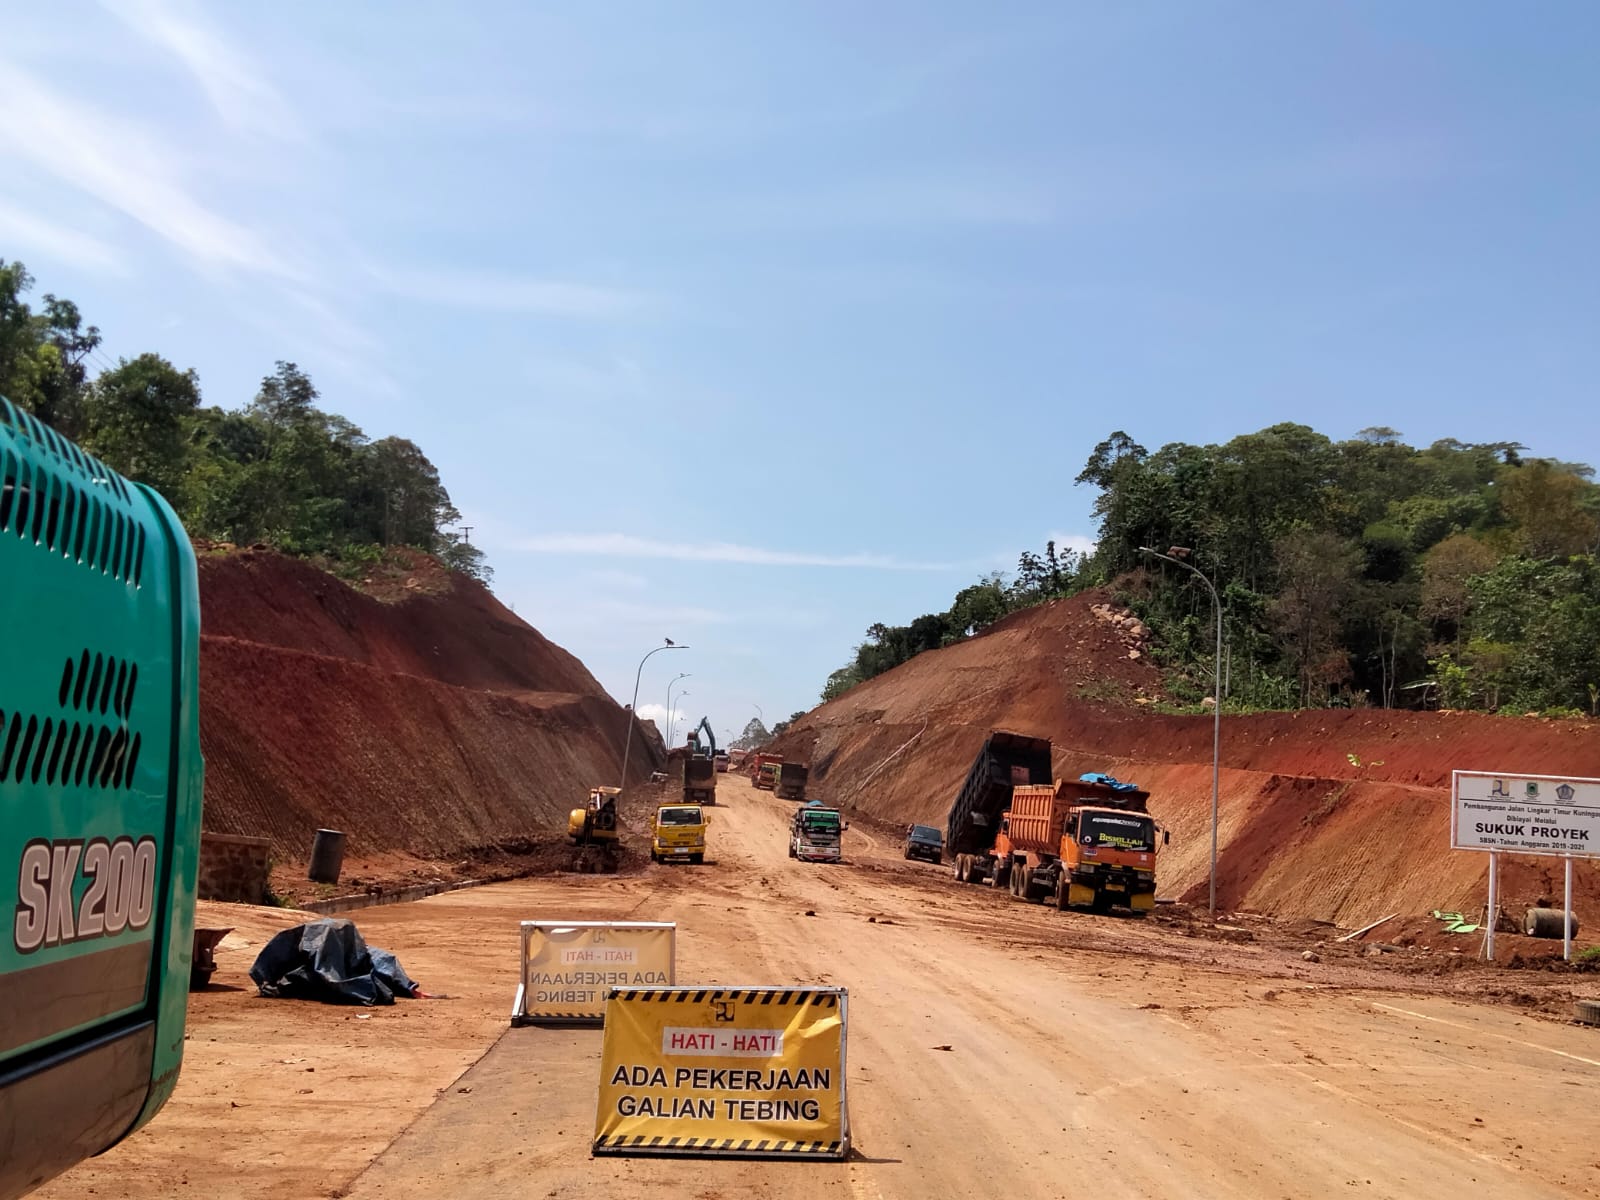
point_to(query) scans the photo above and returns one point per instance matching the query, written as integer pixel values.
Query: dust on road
(1080, 1048)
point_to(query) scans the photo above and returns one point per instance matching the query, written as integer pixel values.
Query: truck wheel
(1062, 893)
(961, 868)
(1002, 874)
(696, 860)
(791, 849)
(1021, 877)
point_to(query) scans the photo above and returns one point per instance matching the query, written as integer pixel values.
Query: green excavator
(100, 792)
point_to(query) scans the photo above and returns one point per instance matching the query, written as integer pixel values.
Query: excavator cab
(707, 748)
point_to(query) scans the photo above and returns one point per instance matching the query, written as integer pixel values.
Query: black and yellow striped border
(544, 1018)
(721, 1147)
(822, 997)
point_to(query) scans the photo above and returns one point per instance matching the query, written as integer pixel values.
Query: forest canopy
(277, 469)
(1364, 571)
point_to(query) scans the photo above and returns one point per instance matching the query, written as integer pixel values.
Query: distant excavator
(709, 749)
(593, 830)
(699, 769)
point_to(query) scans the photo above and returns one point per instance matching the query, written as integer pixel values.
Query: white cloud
(499, 292)
(1078, 543)
(658, 713)
(239, 94)
(120, 165)
(26, 231)
(625, 545)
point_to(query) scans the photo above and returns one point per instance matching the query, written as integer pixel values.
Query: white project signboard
(1525, 814)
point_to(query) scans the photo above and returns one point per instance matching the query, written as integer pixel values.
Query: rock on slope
(432, 721)
(1334, 814)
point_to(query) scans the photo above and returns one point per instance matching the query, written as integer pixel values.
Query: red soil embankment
(1339, 815)
(433, 725)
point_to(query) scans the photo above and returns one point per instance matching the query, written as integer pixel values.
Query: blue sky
(751, 324)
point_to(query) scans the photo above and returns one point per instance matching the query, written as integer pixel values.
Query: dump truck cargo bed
(1006, 761)
(1033, 822)
(791, 783)
(700, 780)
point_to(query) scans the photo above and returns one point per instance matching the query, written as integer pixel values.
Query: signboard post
(727, 1072)
(1543, 815)
(1566, 907)
(567, 967)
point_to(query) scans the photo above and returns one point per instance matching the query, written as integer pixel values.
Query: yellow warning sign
(567, 966)
(738, 1072)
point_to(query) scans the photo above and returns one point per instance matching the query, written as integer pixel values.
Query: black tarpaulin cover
(329, 960)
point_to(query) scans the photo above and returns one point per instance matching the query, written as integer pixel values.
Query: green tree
(840, 682)
(42, 354)
(1554, 510)
(1319, 572)
(414, 503)
(461, 555)
(755, 736)
(1447, 573)
(975, 608)
(141, 417)
(782, 727)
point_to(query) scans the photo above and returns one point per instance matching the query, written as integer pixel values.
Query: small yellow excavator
(593, 830)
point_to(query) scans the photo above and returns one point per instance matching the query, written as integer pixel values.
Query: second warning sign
(567, 966)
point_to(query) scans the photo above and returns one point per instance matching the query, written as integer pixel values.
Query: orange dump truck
(1084, 843)
(759, 774)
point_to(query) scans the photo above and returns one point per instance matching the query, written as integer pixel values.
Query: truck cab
(814, 834)
(765, 776)
(1108, 857)
(1087, 842)
(679, 834)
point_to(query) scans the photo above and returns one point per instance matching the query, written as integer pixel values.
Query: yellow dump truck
(680, 834)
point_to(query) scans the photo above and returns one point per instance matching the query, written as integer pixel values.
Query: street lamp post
(1216, 705)
(633, 709)
(672, 720)
(675, 678)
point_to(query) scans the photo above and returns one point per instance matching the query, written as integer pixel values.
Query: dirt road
(1215, 1071)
